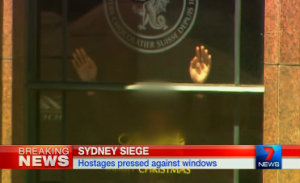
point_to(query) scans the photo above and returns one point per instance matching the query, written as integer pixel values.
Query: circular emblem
(151, 26)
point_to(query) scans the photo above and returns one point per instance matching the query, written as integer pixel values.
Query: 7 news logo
(268, 157)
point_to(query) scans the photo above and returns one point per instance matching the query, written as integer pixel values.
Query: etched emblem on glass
(151, 26)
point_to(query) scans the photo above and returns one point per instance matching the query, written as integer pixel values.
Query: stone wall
(282, 81)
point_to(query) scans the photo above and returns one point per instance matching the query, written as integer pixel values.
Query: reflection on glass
(50, 118)
(50, 108)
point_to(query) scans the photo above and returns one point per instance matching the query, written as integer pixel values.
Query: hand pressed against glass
(200, 65)
(84, 65)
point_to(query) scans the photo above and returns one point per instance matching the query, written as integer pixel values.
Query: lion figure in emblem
(150, 13)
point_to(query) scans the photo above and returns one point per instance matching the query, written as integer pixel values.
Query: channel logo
(268, 157)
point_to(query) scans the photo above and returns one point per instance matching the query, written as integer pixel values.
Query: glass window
(156, 117)
(183, 72)
(137, 41)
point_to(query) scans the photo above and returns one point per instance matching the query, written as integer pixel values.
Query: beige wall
(13, 55)
(6, 80)
(282, 81)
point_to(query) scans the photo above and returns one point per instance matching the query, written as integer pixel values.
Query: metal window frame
(34, 86)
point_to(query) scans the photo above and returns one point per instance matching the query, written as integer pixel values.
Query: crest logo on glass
(268, 157)
(151, 26)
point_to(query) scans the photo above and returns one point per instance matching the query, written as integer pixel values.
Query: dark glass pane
(131, 41)
(50, 130)
(127, 47)
(49, 66)
(50, 42)
(252, 42)
(155, 117)
(50, 118)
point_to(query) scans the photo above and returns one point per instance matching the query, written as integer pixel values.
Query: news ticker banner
(150, 157)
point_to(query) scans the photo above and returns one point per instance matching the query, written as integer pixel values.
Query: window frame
(33, 86)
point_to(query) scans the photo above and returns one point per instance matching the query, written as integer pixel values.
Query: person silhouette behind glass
(199, 70)
(159, 112)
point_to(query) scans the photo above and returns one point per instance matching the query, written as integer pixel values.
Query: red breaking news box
(36, 157)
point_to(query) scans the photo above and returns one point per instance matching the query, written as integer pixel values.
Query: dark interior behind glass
(105, 116)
